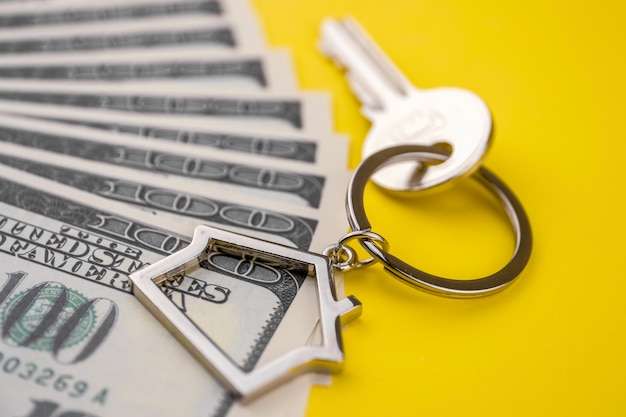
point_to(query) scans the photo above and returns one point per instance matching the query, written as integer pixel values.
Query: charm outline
(326, 357)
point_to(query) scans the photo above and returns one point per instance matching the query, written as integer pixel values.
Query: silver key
(453, 118)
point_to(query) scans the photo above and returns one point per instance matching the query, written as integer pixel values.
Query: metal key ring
(420, 279)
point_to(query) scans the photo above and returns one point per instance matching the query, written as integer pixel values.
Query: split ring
(420, 279)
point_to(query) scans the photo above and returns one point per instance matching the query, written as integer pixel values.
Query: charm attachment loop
(344, 258)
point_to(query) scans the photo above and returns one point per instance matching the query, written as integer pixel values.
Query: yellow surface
(553, 75)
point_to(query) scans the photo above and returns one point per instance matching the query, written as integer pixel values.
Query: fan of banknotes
(123, 125)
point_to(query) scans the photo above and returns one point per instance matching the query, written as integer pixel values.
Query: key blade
(331, 45)
(367, 97)
(369, 47)
(378, 82)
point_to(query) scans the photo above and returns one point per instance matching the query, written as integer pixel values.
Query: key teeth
(328, 53)
(368, 101)
(327, 29)
(355, 85)
(370, 113)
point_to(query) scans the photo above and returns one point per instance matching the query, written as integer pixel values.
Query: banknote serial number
(45, 377)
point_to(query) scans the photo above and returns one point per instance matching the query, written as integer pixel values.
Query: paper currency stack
(123, 125)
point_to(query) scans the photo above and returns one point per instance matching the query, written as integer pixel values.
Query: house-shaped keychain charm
(208, 241)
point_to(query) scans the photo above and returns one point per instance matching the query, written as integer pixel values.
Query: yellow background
(553, 75)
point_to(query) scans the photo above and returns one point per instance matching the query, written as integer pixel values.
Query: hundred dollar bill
(183, 105)
(59, 14)
(222, 37)
(262, 219)
(40, 13)
(289, 147)
(295, 146)
(56, 14)
(189, 32)
(268, 71)
(291, 182)
(76, 342)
